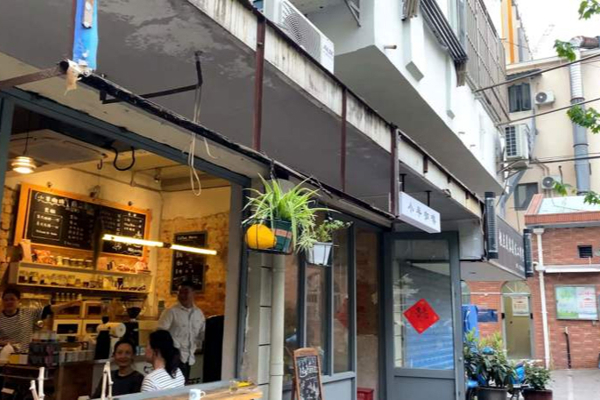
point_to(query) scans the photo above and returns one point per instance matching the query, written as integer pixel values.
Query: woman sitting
(126, 380)
(164, 357)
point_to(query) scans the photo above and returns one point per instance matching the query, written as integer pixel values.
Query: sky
(547, 20)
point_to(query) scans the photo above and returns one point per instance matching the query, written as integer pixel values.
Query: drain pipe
(540, 268)
(580, 142)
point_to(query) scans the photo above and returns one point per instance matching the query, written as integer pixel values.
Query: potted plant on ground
(486, 362)
(320, 252)
(537, 379)
(282, 219)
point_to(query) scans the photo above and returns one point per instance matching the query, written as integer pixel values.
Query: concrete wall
(554, 131)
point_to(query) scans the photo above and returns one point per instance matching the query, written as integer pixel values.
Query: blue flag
(85, 41)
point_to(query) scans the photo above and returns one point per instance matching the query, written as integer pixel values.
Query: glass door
(423, 317)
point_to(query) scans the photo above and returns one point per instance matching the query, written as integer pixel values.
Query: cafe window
(519, 97)
(524, 192)
(76, 201)
(324, 314)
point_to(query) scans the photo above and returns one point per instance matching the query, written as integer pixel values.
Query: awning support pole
(258, 82)
(33, 77)
(343, 143)
(394, 171)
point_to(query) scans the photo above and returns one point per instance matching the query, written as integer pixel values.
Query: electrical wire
(548, 112)
(536, 73)
(117, 157)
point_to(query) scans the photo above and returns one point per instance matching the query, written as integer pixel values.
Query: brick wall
(7, 220)
(212, 299)
(560, 248)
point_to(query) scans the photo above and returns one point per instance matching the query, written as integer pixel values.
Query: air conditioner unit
(549, 181)
(545, 97)
(301, 31)
(517, 145)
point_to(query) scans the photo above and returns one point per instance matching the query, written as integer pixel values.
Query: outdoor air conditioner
(301, 31)
(549, 181)
(545, 97)
(517, 145)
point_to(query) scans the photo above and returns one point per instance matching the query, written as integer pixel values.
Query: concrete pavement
(576, 384)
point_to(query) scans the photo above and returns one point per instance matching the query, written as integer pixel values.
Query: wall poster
(576, 302)
(520, 306)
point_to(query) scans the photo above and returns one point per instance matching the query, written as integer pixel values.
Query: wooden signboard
(189, 266)
(307, 375)
(60, 219)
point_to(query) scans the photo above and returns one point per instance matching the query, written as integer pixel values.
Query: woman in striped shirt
(164, 357)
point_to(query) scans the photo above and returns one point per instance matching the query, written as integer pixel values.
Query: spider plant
(295, 206)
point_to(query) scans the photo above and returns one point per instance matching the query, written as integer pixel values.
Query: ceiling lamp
(23, 165)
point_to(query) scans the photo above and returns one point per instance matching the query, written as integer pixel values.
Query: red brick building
(569, 233)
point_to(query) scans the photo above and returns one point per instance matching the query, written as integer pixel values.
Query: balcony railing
(486, 64)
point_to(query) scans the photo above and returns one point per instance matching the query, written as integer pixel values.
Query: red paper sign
(421, 316)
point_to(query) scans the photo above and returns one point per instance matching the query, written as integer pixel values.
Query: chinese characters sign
(421, 316)
(576, 302)
(417, 214)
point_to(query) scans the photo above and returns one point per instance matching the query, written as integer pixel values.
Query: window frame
(519, 96)
(516, 196)
(585, 246)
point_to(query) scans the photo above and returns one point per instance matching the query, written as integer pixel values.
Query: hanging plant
(321, 252)
(282, 220)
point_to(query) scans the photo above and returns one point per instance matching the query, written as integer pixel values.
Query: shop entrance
(516, 300)
(423, 327)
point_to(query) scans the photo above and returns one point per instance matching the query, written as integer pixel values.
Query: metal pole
(540, 268)
(258, 82)
(277, 328)
(343, 140)
(394, 167)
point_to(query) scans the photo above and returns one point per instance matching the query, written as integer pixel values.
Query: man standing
(186, 323)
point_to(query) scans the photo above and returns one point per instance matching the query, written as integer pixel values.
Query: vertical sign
(307, 375)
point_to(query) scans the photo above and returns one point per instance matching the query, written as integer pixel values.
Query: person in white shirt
(164, 357)
(186, 323)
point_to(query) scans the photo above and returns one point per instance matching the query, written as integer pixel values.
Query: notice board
(61, 219)
(307, 375)
(576, 302)
(189, 266)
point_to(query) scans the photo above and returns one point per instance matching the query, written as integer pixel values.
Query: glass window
(316, 311)
(422, 290)
(291, 313)
(341, 305)
(519, 97)
(465, 293)
(523, 195)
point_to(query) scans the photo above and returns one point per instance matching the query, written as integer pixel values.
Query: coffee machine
(134, 307)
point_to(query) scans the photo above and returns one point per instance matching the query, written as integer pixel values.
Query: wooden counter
(251, 393)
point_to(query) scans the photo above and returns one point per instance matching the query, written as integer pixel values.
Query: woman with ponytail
(164, 357)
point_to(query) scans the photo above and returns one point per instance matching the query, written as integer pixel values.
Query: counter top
(251, 393)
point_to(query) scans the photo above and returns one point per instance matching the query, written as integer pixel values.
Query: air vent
(585, 251)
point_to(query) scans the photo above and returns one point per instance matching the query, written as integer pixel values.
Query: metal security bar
(486, 64)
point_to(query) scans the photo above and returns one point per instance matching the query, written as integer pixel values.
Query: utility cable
(548, 112)
(509, 81)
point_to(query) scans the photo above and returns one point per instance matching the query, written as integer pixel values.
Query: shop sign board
(511, 252)
(576, 302)
(417, 214)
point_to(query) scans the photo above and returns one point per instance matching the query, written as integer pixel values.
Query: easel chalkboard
(307, 375)
(55, 218)
(189, 266)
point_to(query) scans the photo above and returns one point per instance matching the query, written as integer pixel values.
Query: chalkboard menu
(64, 220)
(188, 266)
(307, 375)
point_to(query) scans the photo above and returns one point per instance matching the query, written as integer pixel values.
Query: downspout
(540, 268)
(580, 142)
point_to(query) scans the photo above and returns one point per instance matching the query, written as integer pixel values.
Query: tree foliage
(588, 118)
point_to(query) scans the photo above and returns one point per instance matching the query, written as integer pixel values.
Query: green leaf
(588, 118)
(565, 50)
(588, 8)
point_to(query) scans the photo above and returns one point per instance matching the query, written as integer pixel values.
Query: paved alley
(582, 384)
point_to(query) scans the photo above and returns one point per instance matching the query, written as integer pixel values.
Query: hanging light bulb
(23, 165)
